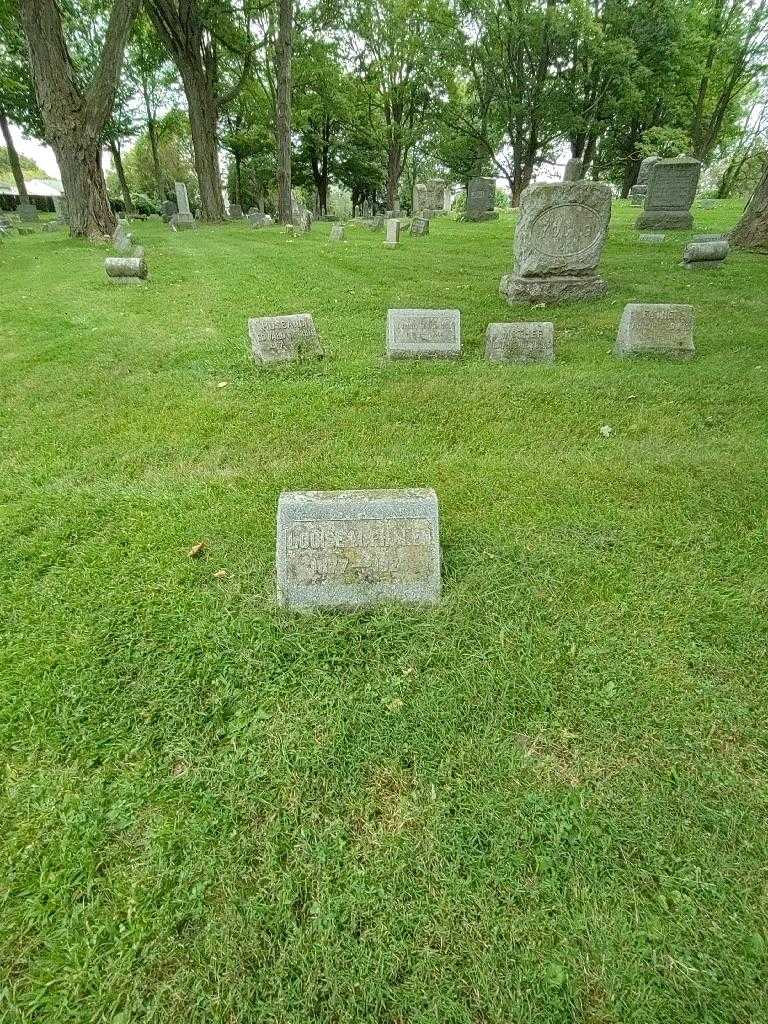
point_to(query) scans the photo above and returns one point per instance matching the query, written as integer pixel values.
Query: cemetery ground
(542, 800)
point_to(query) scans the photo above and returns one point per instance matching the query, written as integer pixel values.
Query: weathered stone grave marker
(393, 234)
(235, 211)
(284, 339)
(558, 243)
(125, 269)
(705, 255)
(183, 219)
(350, 549)
(419, 198)
(671, 191)
(662, 329)
(420, 226)
(423, 333)
(652, 238)
(122, 239)
(520, 343)
(639, 189)
(481, 199)
(337, 233)
(27, 212)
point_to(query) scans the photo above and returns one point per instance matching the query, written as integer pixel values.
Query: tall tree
(195, 38)
(13, 159)
(75, 114)
(283, 71)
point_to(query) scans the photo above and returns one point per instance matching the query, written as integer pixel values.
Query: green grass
(543, 801)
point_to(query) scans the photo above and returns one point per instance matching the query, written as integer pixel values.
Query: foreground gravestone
(337, 233)
(671, 190)
(558, 243)
(350, 549)
(661, 329)
(420, 226)
(520, 343)
(27, 212)
(125, 269)
(235, 211)
(183, 219)
(639, 189)
(423, 333)
(284, 339)
(393, 234)
(481, 199)
(705, 255)
(572, 170)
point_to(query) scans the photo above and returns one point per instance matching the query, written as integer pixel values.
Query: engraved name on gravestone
(558, 243)
(520, 343)
(423, 333)
(671, 190)
(347, 549)
(661, 329)
(284, 339)
(481, 198)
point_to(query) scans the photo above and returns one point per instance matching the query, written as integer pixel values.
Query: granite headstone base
(552, 289)
(665, 220)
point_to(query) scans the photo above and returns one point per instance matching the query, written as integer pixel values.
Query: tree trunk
(114, 149)
(203, 118)
(88, 210)
(752, 230)
(159, 184)
(394, 169)
(74, 115)
(13, 160)
(284, 59)
(238, 181)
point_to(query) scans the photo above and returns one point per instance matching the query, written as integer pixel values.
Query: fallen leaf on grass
(197, 550)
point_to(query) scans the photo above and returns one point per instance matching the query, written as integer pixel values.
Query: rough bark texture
(74, 117)
(193, 50)
(13, 160)
(752, 230)
(284, 57)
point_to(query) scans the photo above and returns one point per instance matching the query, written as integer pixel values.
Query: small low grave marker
(520, 343)
(662, 329)
(420, 226)
(284, 339)
(337, 233)
(27, 212)
(235, 211)
(350, 549)
(423, 333)
(652, 238)
(705, 255)
(125, 269)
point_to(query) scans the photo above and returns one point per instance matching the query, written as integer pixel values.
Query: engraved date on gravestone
(426, 333)
(360, 551)
(280, 339)
(566, 230)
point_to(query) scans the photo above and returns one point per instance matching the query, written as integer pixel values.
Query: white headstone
(423, 333)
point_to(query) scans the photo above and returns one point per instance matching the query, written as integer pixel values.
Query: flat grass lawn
(544, 800)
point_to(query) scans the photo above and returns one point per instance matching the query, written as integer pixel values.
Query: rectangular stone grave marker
(662, 329)
(337, 233)
(235, 211)
(639, 189)
(350, 549)
(183, 219)
(520, 343)
(423, 333)
(481, 199)
(393, 234)
(420, 226)
(671, 190)
(27, 212)
(558, 243)
(652, 238)
(419, 198)
(284, 339)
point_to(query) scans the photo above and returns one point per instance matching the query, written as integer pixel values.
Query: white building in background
(42, 187)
